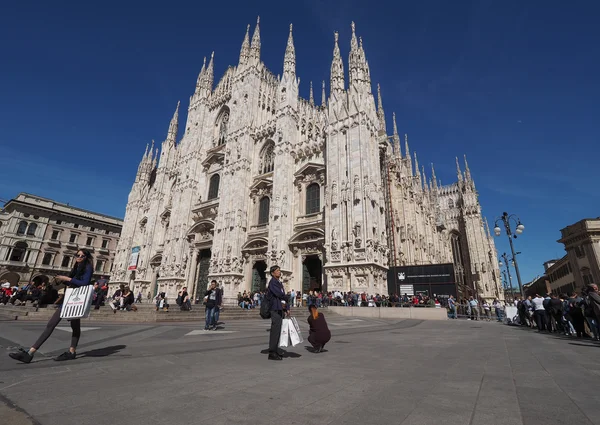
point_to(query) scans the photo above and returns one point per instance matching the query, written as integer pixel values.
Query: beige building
(582, 243)
(560, 277)
(40, 237)
(263, 176)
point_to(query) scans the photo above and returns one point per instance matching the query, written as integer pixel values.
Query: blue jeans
(210, 317)
(453, 312)
(216, 315)
(499, 314)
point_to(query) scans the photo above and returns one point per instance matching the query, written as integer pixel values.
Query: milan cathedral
(263, 176)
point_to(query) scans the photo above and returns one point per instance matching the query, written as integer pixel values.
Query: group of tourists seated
(40, 294)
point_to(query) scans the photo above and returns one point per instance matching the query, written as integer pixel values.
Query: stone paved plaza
(374, 372)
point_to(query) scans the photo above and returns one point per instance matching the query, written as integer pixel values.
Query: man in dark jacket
(277, 296)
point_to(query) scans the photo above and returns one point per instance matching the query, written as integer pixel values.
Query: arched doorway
(11, 277)
(203, 266)
(259, 276)
(312, 274)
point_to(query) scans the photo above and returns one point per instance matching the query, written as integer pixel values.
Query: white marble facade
(262, 177)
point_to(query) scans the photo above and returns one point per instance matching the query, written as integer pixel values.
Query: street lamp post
(512, 293)
(506, 220)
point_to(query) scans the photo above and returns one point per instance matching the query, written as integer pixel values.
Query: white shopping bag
(295, 335)
(77, 302)
(297, 327)
(284, 336)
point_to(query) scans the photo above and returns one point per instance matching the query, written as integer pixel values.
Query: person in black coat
(277, 297)
(319, 333)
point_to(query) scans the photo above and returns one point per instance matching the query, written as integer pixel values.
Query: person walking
(319, 333)
(539, 312)
(277, 297)
(81, 275)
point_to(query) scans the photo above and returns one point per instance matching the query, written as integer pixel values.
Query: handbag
(77, 302)
(284, 335)
(294, 331)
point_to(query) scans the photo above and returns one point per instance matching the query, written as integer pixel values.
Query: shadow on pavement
(103, 352)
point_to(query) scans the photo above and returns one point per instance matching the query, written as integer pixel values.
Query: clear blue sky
(514, 85)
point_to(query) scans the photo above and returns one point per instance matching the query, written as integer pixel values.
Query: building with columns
(263, 176)
(39, 238)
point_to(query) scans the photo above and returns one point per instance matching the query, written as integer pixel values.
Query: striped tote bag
(77, 302)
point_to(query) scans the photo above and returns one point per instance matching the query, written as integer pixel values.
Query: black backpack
(265, 307)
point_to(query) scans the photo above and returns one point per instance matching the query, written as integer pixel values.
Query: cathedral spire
(407, 154)
(201, 75)
(380, 112)
(173, 127)
(337, 69)
(146, 153)
(433, 177)
(396, 137)
(458, 172)
(255, 46)
(417, 173)
(323, 95)
(206, 78)
(210, 72)
(467, 170)
(311, 97)
(424, 178)
(245, 50)
(289, 60)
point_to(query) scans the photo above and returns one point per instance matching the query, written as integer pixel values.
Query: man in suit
(276, 294)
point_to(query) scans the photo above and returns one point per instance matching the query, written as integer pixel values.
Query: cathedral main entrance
(312, 274)
(259, 276)
(202, 280)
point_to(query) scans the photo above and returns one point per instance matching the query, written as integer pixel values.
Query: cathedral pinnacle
(467, 170)
(210, 73)
(396, 137)
(417, 166)
(337, 68)
(311, 97)
(380, 112)
(289, 60)
(173, 127)
(201, 75)
(433, 177)
(458, 172)
(255, 46)
(245, 50)
(323, 95)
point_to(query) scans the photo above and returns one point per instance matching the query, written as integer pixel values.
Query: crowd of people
(577, 314)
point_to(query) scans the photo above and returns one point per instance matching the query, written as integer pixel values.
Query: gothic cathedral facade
(262, 177)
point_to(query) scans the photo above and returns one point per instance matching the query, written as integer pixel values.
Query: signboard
(135, 253)
(407, 289)
(427, 279)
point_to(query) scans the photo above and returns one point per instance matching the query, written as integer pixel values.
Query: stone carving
(281, 259)
(357, 192)
(334, 194)
(284, 206)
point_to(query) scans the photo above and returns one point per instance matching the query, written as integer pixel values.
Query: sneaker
(214, 328)
(65, 356)
(22, 356)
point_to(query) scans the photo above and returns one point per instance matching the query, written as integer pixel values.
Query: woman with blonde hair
(319, 333)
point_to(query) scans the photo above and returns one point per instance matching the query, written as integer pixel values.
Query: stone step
(148, 314)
